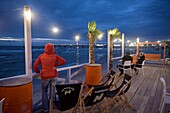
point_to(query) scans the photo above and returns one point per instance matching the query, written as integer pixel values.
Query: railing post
(108, 49)
(69, 74)
(164, 44)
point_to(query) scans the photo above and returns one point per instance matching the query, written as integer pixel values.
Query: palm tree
(93, 33)
(114, 34)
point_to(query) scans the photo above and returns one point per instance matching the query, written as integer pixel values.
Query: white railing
(69, 68)
(115, 58)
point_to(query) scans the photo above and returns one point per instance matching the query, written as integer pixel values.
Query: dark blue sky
(147, 19)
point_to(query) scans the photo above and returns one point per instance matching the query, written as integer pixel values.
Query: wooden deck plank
(143, 104)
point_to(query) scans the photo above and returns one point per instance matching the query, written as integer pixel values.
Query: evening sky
(147, 19)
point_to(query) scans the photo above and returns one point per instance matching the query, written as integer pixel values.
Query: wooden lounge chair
(97, 93)
(93, 97)
(68, 95)
(121, 90)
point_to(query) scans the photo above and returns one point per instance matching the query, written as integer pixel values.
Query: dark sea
(12, 58)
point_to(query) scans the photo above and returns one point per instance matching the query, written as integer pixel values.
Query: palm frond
(91, 26)
(115, 33)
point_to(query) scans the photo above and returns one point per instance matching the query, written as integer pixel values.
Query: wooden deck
(145, 91)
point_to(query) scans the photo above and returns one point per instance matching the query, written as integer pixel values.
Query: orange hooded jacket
(49, 60)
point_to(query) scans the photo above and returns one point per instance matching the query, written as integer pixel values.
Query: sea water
(12, 58)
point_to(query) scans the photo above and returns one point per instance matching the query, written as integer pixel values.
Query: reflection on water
(77, 55)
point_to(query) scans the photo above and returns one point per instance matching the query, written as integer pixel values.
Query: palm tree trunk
(92, 61)
(111, 54)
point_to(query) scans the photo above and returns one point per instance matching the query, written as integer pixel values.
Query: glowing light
(77, 38)
(27, 13)
(131, 44)
(115, 40)
(158, 41)
(100, 36)
(10, 39)
(146, 41)
(137, 40)
(100, 45)
(55, 29)
(128, 41)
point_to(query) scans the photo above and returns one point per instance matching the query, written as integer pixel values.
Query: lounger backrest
(68, 95)
(97, 95)
(123, 88)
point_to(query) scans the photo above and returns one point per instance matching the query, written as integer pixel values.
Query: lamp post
(137, 47)
(28, 45)
(123, 43)
(77, 38)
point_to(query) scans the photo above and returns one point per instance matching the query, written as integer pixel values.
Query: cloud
(144, 18)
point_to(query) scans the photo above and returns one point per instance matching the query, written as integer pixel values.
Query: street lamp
(28, 44)
(77, 38)
(128, 41)
(27, 13)
(137, 46)
(137, 40)
(100, 36)
(55, 29)
(115, 40)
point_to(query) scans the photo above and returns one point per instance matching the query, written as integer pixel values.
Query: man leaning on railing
(49, 61)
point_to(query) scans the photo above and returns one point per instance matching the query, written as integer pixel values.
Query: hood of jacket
(49, 48)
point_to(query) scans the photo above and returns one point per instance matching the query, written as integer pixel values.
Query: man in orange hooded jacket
(49, 61)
